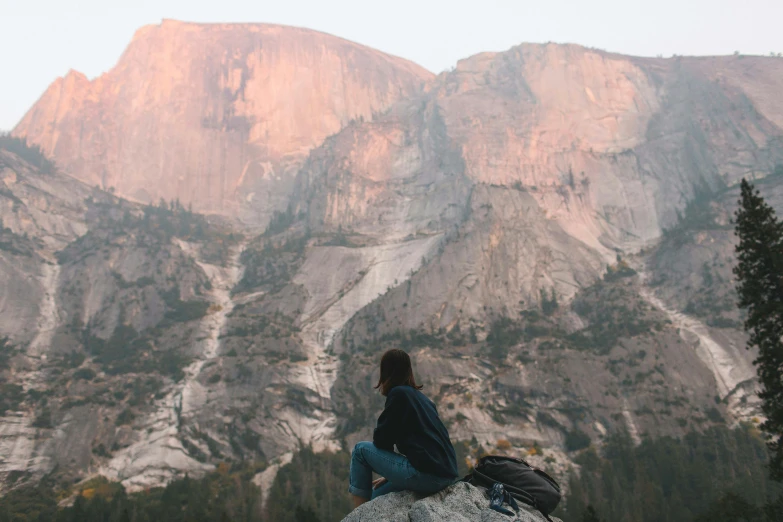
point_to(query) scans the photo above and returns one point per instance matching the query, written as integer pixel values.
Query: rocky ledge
(458, 503)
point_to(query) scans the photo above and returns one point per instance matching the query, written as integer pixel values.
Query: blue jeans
(395, 468)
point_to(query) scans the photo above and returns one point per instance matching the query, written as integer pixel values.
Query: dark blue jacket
(410, 420)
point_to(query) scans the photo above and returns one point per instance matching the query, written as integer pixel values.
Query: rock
(458, 503)
(418, 218)
(217, 115)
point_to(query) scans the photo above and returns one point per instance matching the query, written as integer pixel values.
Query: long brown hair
(396, 370)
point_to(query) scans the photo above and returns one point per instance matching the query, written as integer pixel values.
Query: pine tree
(731, 508)
(306, 514)
(590, 515)
(759, 275)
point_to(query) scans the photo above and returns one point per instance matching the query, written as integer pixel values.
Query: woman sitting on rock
(426, 462)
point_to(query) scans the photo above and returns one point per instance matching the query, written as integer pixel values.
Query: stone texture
(458, 503)
(216, 115)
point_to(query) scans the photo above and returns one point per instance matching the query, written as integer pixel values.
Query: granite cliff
(545, 230)
(216, 115)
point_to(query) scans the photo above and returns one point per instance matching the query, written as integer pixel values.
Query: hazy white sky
(43, 39)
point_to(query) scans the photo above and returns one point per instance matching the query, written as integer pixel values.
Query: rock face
(537, 167)
(104, 306)
(218, 116)
(458, 503)
(545, 230)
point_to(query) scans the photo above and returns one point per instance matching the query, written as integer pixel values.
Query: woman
(426, 462)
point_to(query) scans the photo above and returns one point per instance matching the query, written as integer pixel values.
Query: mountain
(520, 177)
(546, 230)
(104, 305)
(216, 115)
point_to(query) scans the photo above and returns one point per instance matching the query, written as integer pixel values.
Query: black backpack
(527, 484)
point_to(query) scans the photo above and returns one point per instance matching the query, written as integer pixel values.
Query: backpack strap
(511, 501)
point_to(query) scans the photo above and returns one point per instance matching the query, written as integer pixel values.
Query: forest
(719, 475)
(676, 480)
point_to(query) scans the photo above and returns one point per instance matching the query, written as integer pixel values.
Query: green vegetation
(713, 298)
(618, 271)
(613, 310)
(270, 265)
(153, 227)
(340, 239)
(503, 334)
(275, 326)
(29, 504)
(590, 515)
(310, 488)
(6, 351)
(701, 213)
(84, 374)
(180, 311)
(226, 494)
(11, 396)
(759, 274)
(44, 419)
(126, 351)
(280, 221)
(715, 476)
(126, 417)
(612, 307)
(548, 302)
(32, 154)
(20, 245)
(576, 440)
(314, 482)
(671, 479)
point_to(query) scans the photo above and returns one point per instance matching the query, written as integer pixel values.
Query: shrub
(503, 444)
(280, 221)
(503, 334)
(11, 395)
(32, 154)
(43, 420)
(126, 417)
(549, 303)
(576, 440)
(184, 311)
(715, 415)
(84, 374)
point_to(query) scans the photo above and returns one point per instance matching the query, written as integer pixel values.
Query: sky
(43, 39)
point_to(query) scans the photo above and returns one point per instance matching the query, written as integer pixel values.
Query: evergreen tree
(306, 514)
(668, 479)
(760, 288)
(731, 508)
(590, 515)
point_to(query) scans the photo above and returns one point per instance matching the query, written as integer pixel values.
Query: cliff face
(104, 306)
(215, 115)
(527, 226)
(609, 149)
(530, 172)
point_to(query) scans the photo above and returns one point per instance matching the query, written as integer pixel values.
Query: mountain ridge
(213, 115)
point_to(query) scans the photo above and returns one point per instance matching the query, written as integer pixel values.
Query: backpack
(527, 484)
